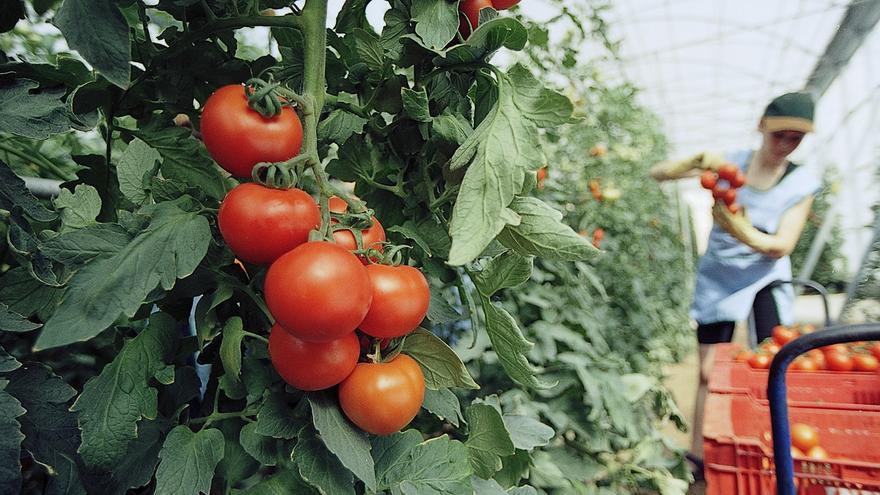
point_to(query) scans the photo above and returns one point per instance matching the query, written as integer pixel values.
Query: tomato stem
(255, 336)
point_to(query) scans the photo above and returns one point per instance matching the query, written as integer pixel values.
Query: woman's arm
(776, 245)
(686, 167)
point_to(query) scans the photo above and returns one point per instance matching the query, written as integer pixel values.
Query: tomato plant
(371, 238)
(259, 224)
(382, 398)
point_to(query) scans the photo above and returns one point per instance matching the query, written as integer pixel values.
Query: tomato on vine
(728, 172)
(238, 137)
(400, 301)
(504, 4)
(318, 292)
(382, 398)
(312, 365)
(470, 19)
(708, 179)
(260, 223)
(371, 238)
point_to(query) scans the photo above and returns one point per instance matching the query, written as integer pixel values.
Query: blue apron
(730, 273)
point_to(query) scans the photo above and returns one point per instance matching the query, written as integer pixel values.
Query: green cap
(789, 112)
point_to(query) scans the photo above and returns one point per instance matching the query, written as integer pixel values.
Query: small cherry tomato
(719, 191)
(738, 180)
(312, 365)
(728, 172)
(729, 196)
(708, 179)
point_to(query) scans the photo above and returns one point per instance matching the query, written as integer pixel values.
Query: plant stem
(255, 336)
(38, 159)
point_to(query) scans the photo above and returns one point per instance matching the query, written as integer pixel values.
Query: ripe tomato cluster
(856, 356)
(469, 13)
(724, 184)
(804, 442)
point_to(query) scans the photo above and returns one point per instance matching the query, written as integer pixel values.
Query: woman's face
(782, 143)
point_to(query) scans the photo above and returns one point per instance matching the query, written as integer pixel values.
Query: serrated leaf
(10, 321)
(492, 487)
(185, 160)
(346, 442)
(440, 311)
(10, 443)
(230, 347)
(543, 106)
(415, 103)
(78, 208)
(187, 461)
(488, 440)
(165, 374)
(275, 419)
(113, 402)
(320, 469)
(340, 125)
(283, 482)
(510, 345)
(444, 404)
(34, 115)
(137, 162)
(436, 22)
(507, 270)
(84, 244)
(542, 233)
(527, 433)
(102, 41)
(438, 466)
(7, 362)
(171, 247)
(14, 192)
(440, 364)
(262, 448)
(27, 296)
(515, 468)
(451, 127)
(392, 450)
(493, 32)
(369, 50)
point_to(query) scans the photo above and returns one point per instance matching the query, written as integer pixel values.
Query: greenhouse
(439, 247)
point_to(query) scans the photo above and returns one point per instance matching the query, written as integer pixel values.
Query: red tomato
(400, 301)
(865, 362)
(719, 191)
(238, 137)
(598, 235)
(471, 18)
(770, 347)
(504, 4)
(804, 436)
(318, 292)
(839, 361)
(817, 453)
(743, 356)
(542, 173)
(729, 196)
(738, 180)
(728, 172)
(838, 348)
(260, 223)
(708, 179)
(371, 237)
(783, 335)
(760, 361)
(818, 357)
(875, 350)
(382, 398)
(312, 365)
(804, 364)
(796, 452)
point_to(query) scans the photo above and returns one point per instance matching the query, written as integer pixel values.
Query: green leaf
(319, 468)
(415, 103)
(276, 419)
(444, 404)
(440, 311)
(527, 433)
(185, 159)
(78, 208)
(369, 50)
(137, 162)
(188, 460)
(436, 22)
(488, 440)
(82, 245)
(339, 126)
(490, 35)
(392, 450)
(230, 347)
(516, 467)
(544, 107)
(236, 464)
(165, 374)
(451, 127)
(10, 443)
(36, 115)
(283, 482)
(262, 448)
(7, 362)
(440, 364)
(171, 247)
(102, 40)
(10, 321)
(138, 465)
(205, 317)
(345, 441)
(27, 296)
(492, 487)
(51, 434)
(438, 466)
(542, 233)
(14, 192)
(507, 270)
(113, 402)
(510, 345)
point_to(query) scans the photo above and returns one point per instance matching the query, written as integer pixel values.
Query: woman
(749, 250)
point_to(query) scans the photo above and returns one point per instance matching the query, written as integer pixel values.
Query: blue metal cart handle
(816, 286)
(776, 392)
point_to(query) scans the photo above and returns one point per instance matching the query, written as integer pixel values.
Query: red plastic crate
(834, 389)
(738, 453)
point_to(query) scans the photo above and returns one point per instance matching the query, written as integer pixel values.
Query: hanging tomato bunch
(724, 184)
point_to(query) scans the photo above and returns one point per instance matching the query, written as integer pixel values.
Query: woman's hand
(775, 246)
(687, 167)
